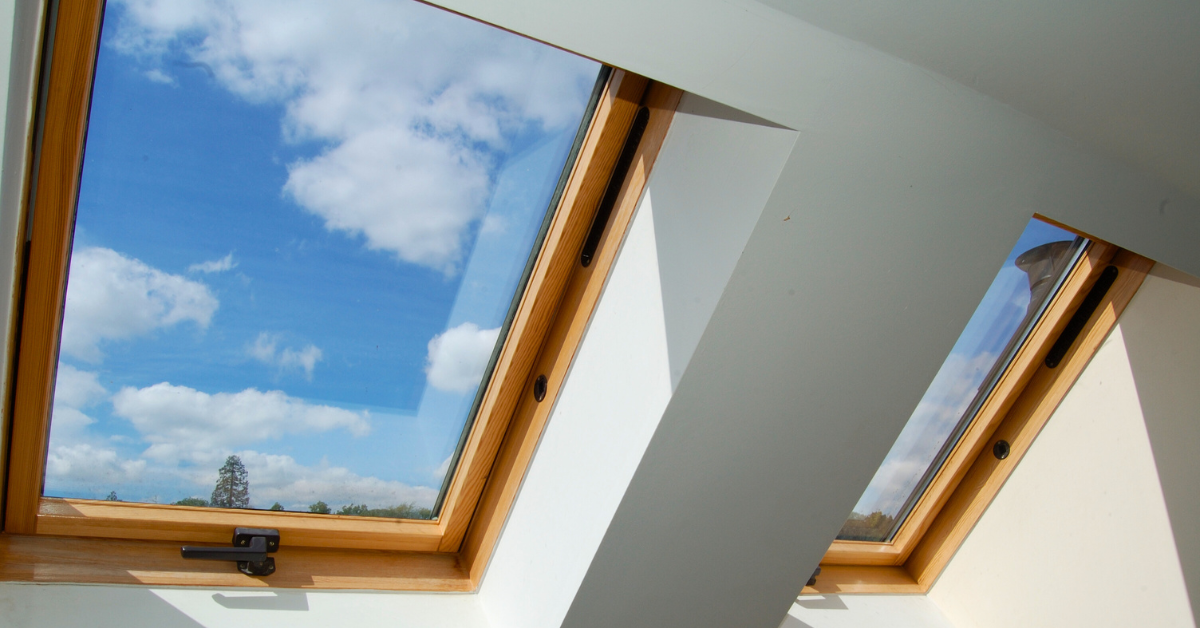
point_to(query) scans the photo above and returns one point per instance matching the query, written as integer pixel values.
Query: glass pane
(301, 228)
(1011, 306)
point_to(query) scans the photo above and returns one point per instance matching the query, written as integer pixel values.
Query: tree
(403, 511)
(112, 497)
(233, 487)
(321, 508)
(276, 506)
(191, 501)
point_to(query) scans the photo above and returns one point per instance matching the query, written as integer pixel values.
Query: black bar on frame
(604, 210)
(1081, 316)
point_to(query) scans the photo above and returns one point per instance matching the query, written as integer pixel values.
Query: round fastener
(1001, 449)
(539, 388)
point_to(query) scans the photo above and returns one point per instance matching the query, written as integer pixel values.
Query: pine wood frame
(1024, 398)
(68, 540)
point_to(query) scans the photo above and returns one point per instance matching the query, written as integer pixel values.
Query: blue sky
(997, 318)
(298, 234)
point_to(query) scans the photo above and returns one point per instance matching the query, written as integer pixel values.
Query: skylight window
(300, 237)
(1011, 307)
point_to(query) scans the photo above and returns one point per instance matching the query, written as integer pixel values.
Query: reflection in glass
(1011, 306)
(299, 237)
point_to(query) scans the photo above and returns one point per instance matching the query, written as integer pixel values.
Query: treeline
(233, 491)
(873, 527)
(403, 511)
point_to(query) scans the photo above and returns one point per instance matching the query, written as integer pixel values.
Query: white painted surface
(52, 606)
(770, 63)
(1162, 338)
(864, 611)
(1121, 75)
(704, 196)
(1080, 534)
(606, 411)
(711, 182)
(902, 194)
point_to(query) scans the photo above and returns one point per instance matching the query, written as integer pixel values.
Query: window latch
(250, 549)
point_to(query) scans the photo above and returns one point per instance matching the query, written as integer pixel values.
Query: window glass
(1011, 306)
(301, 229)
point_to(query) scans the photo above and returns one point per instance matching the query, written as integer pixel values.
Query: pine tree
(233, 487)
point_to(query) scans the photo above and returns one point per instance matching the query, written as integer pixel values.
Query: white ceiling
(903, 192)
(1118, 75)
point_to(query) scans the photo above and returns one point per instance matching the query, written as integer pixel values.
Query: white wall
(1081, 534)
(901, 195)
(52, 606)
(1163, 343)
(865, 611)
(706, 192)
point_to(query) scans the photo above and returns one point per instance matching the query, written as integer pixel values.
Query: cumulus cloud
(214, 266)
(73, 456)
(77, 389)
(182, 423)
(265, 350)
(442, 469)
(89, 464)
(190, 433)
(458, 357)
(278, 478)
(74, 390)
(114, 297)
(158, 76)
(412, 104)
(939, 411)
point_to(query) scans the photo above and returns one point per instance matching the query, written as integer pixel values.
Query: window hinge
(250, 549)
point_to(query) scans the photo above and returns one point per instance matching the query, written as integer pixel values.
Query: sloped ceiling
(1122, 77)
(902, 194)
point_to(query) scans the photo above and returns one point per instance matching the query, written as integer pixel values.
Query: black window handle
(249, 551)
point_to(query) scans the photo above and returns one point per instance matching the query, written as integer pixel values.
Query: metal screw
(1001, 449)
(539, 388)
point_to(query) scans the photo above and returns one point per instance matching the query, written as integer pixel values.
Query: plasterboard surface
(902, 195)
(1083, 510)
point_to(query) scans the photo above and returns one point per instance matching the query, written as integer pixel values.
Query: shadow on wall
(819, 602)
(39, 606)
(265, 601)
(710, 184)
(792, 622)
(1162, 339)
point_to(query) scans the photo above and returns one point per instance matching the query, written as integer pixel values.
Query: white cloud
(86, 463)
(442, 469)
(158, 76)
(114, 297)
(458, 357)
(73, 390)
(214, 266)
(181, 423)
(409, 100)
(191, 433)
(77, 389)
(411, 195)
(265, 350)
(944, 403)
(276, 478)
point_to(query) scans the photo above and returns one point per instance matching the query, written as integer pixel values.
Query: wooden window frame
(1023, 399)
(72, 540)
